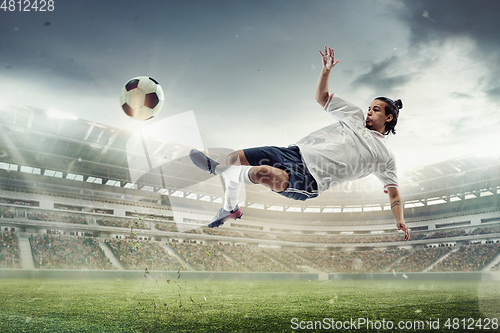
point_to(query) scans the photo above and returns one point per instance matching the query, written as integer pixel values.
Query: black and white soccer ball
(142, 98)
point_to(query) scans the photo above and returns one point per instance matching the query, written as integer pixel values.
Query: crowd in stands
(351, 262)
(9, 251)
(256, 260)
(486, 230)
(15, 202)
(62, 252)
(259, 235)
(123, 223)
(417, 236)
(230, 258)
(170, 227)
(40, 215)
(206, 258)
(6, 213)
(286, 258)
(371, 239)
(469, 258)
(341, 239)
(448, 233)
(316, 238)
(75, 252)
(189, 229)
(222, 232)
(138, 255)
(421, 259)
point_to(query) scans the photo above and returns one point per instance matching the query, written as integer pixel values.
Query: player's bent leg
(274, 178)
(231, 210)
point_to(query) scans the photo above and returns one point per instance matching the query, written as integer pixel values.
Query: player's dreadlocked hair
(392, 107)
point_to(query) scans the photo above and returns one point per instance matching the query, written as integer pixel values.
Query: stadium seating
(9, 251)
(222, 232)
(206, 258)
(448, 233)
(420, 259)
(6, 213)
(171, 227)
(139, 255)
(68, 252)
(39, 215)
(469, 258)
(122, 223)
(486, 230)
(351, 262)
(74, 252)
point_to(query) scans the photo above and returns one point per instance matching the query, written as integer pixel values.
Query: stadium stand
(222, 232)
(258, 235)
(207, 258)
(287, 259)
(6, 213)
(448, 233)
(9, 250)
(483, 230)
(351, 262)
(256, 260)
(123, 223)
(170, 227)
(469, 258)
(419, 260)
(39, 215)
(139, 255)
(68, 252)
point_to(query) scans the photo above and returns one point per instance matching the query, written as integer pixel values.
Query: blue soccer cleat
(202, 161)
(224, 215)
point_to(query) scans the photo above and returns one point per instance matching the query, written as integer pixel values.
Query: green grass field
(236, 306)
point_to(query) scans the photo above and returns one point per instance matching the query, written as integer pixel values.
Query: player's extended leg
(237, 171)
(274, 178)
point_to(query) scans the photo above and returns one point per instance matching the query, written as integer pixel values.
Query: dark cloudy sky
(248, 69)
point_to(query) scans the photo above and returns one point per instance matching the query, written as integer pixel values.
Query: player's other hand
(402, 226)
(328, 58)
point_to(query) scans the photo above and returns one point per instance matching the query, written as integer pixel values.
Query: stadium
(70, 211)
(104, 217)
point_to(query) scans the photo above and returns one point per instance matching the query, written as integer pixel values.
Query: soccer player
(350, 148)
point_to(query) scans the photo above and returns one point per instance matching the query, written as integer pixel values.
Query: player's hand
(402, 226)
(328, 58)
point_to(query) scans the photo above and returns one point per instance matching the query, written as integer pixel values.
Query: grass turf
(151, 305)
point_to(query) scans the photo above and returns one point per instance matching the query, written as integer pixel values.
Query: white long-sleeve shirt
(346, 150)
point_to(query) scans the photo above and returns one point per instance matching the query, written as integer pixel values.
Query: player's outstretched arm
(329, 62)
(397, 211)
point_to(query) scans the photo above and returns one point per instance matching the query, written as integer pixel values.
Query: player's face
(376, 118)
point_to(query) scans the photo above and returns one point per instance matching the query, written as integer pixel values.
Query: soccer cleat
(202, 161)
(224, 215)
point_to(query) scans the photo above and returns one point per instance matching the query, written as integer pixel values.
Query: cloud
(381, 76)
(493, 93)
(460, 95)
(441, 21)
(430, 20)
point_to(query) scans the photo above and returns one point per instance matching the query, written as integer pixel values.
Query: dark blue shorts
(302, 185)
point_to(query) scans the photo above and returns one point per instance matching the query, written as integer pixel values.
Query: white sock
(235, 173)
(231, 195)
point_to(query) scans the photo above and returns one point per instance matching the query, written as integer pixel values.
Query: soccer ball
(141, 98)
